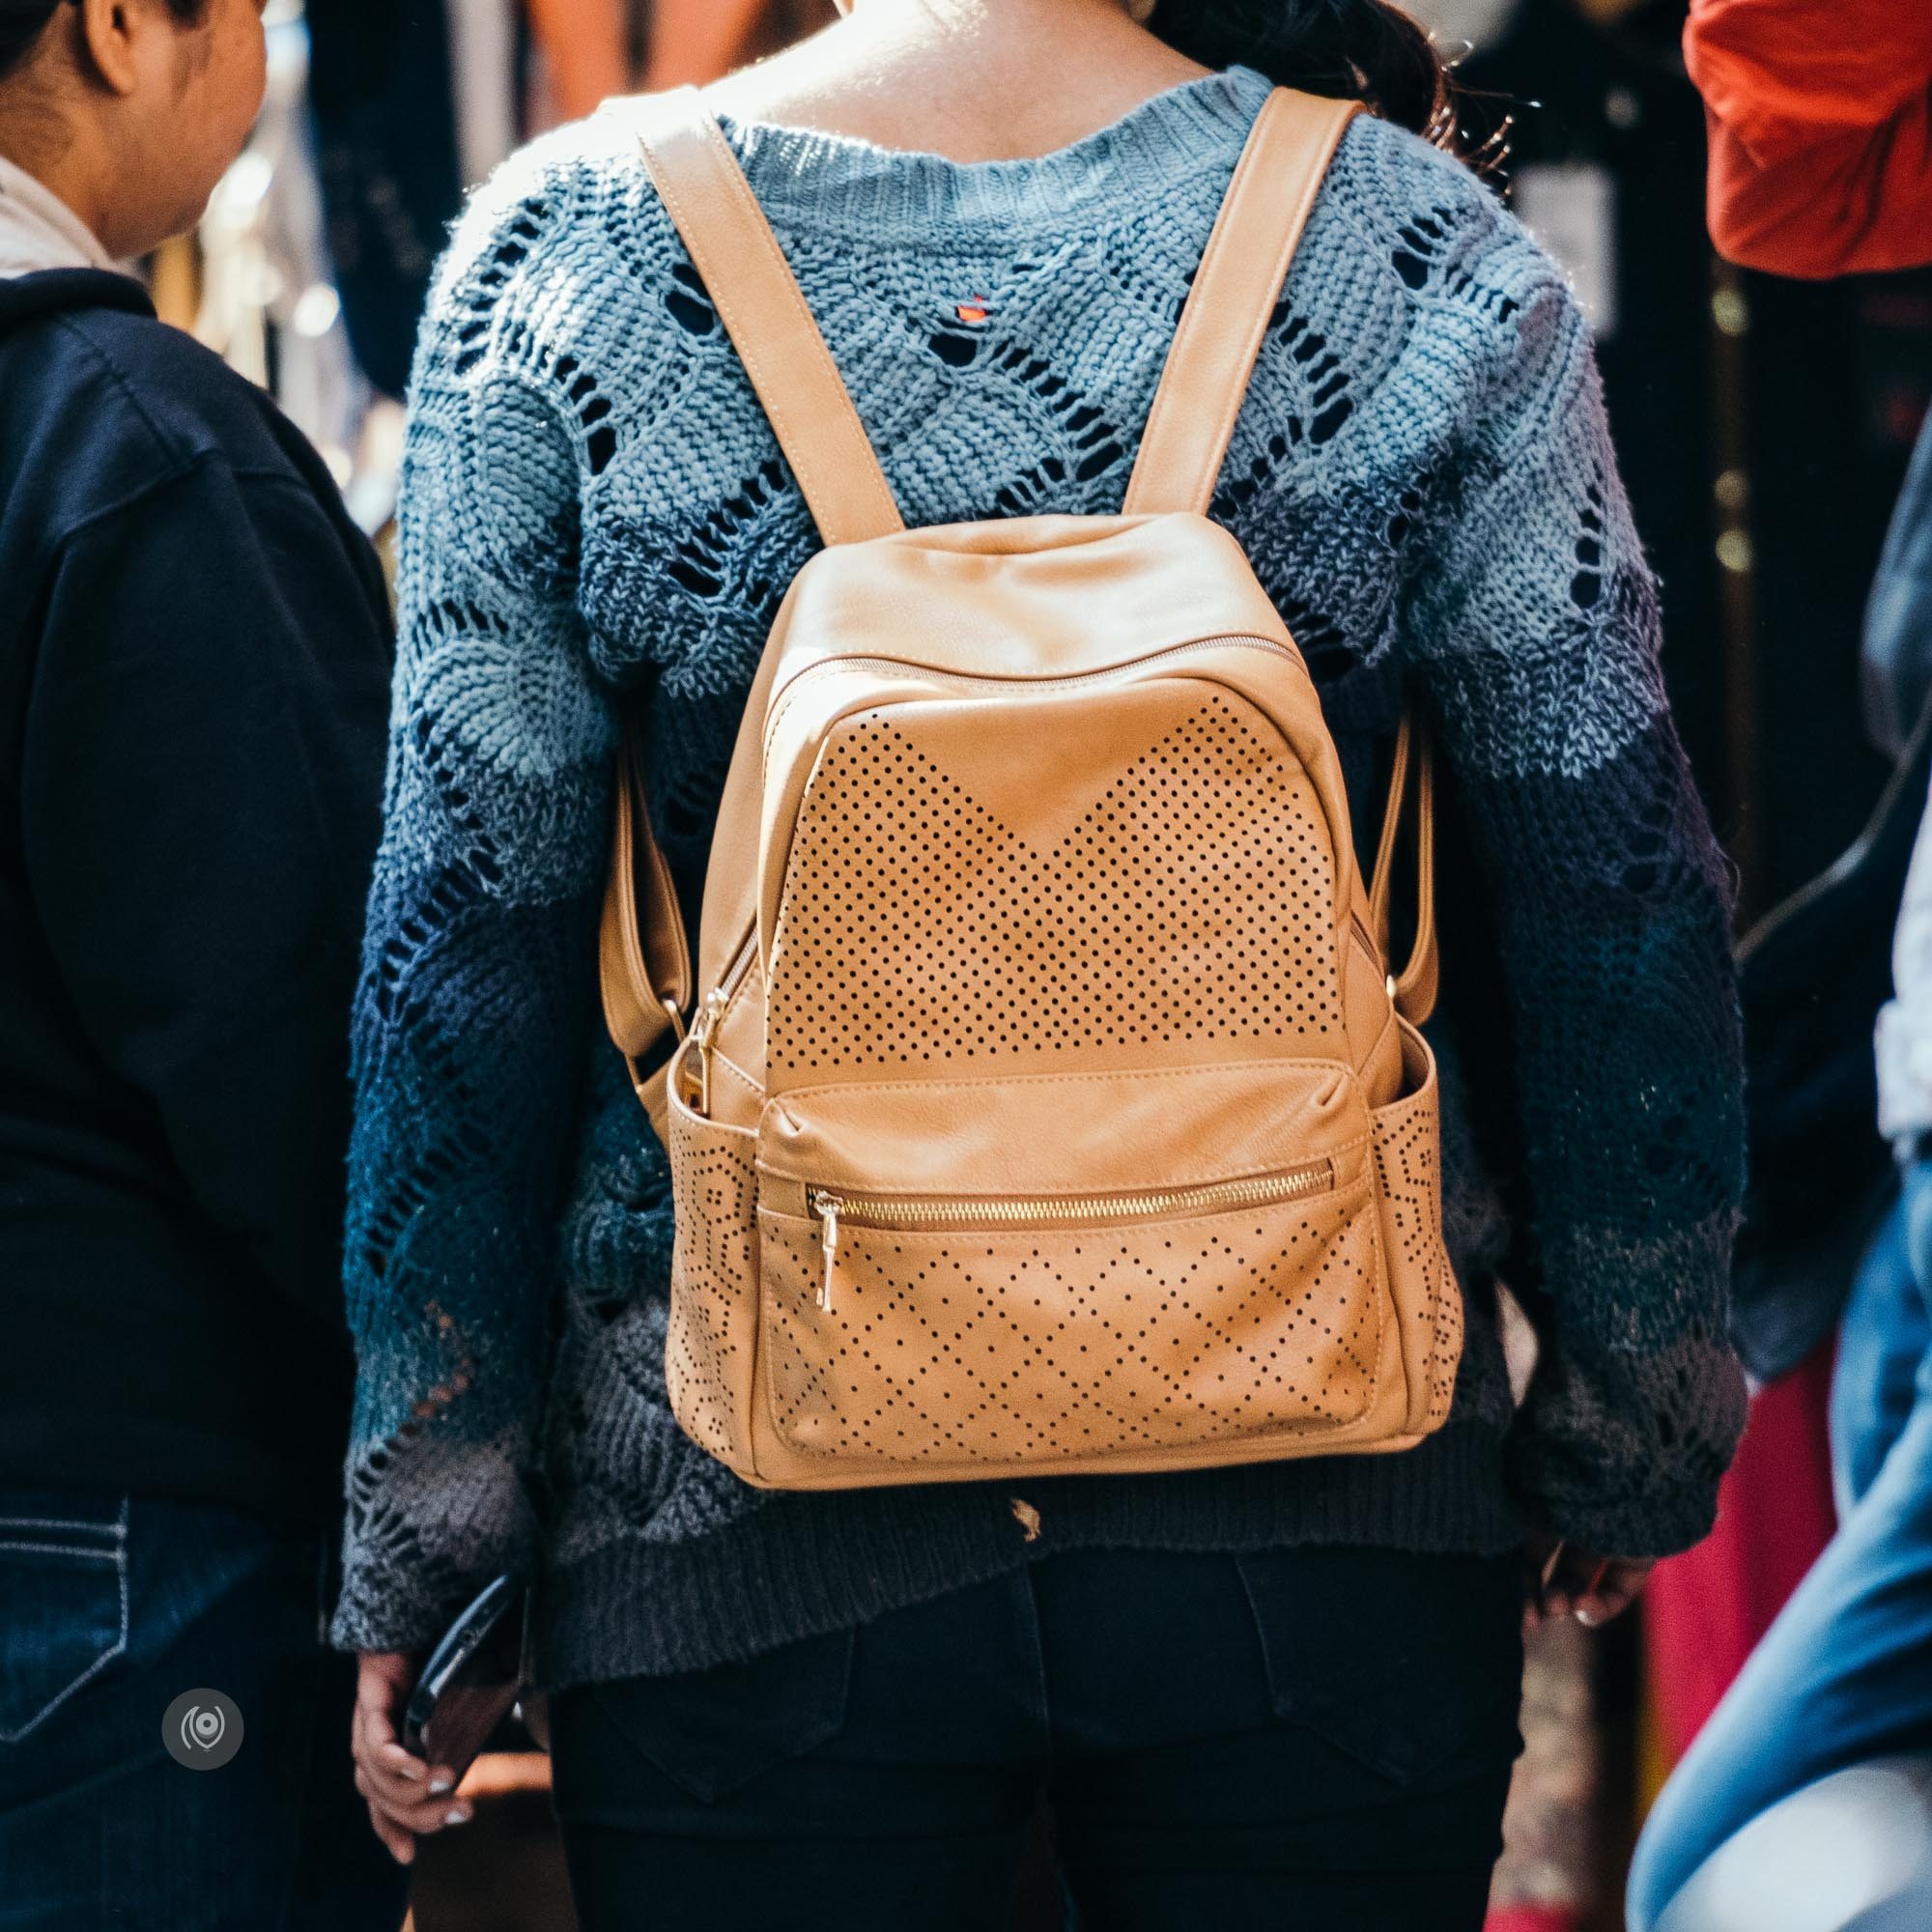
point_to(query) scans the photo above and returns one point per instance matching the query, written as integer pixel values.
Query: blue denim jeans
(1310, 1738)
(110, 1607)
(1846, 1673)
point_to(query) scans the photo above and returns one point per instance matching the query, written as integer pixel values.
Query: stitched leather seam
(1204, 308)
(851, 460)
(1164, 394)
(731, 1066)
(1202, 1177)
(1200, 485)
(1340, 1066)
(1235, 640)
(1164, 391)
(1343, 1194)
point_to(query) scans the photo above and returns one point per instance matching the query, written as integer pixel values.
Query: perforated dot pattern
(1192, 902)
(1037, 1346)
(714, 1283)
(1408, 1173)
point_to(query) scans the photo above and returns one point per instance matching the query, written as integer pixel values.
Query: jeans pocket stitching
(118, 1529)
(118, 1556)
(1375, 1727)
(78, 1553)
(710, 1784)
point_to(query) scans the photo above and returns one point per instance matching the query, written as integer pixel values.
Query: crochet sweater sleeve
(477, 982)
(1536, 623)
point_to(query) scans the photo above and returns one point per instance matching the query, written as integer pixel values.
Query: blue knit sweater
(596, 523)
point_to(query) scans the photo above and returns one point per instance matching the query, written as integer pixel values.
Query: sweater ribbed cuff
(1654, 1525)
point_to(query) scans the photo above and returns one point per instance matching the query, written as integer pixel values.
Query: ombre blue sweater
(597, 523)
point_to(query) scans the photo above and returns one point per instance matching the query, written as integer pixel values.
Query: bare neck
(975, 80)
(69, 158)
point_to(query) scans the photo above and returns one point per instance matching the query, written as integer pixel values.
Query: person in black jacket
(194, 662)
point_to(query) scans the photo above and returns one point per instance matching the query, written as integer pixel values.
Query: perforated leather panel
(714, 1283)
(1408, 1168)
(1042, 1344)
(999, 912)
(1190, 903)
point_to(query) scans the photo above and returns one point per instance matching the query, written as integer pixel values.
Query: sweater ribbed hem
(805, 1563)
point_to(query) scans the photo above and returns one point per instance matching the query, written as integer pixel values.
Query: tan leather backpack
(1049, 1104)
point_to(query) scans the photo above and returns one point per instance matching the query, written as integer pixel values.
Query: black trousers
(1306, 1739)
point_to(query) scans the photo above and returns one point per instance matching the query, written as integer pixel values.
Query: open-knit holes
(1094, 441)
(479, 300)
(689, 301)
(592, 406)
(1046, 1344)
(1425, 256)
(1586, 586)
(1320, 404)
(704, 559)
(1192, 901)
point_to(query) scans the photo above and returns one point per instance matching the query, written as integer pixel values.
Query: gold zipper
(701, 1030)
(887, 1210)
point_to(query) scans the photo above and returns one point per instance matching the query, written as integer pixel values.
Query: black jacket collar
(23, 297)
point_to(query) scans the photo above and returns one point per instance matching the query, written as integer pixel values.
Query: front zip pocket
(1052, 1328)
(831, 1207)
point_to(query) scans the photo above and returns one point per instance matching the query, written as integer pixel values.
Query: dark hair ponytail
(1367, 50)
(23, 22)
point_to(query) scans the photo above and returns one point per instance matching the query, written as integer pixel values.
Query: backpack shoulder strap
(644, 957)
(757, 298)
(1235, 289)
(1416, 987)
(1201, 388)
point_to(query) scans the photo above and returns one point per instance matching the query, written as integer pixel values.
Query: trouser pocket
(1411, 1664)
(62, 1601)
(707, 1732)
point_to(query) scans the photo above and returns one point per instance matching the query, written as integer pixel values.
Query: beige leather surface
(1234, 290)
(1074, 1345)
(1048, 1102)
(745, 273)
(1115, 1131)
(643, 958)
(834, 651)
(1415, 989)
(1183, 909)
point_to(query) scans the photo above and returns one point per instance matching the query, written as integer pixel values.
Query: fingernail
(1587, 1617)
(457, 1817)
(439, 1786)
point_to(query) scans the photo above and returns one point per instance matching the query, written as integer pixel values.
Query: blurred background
(1764, 427)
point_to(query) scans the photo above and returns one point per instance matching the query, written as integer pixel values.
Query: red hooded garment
(1820, 117)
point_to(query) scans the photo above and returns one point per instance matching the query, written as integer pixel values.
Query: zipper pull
(828, 1205)
(701, 1030)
